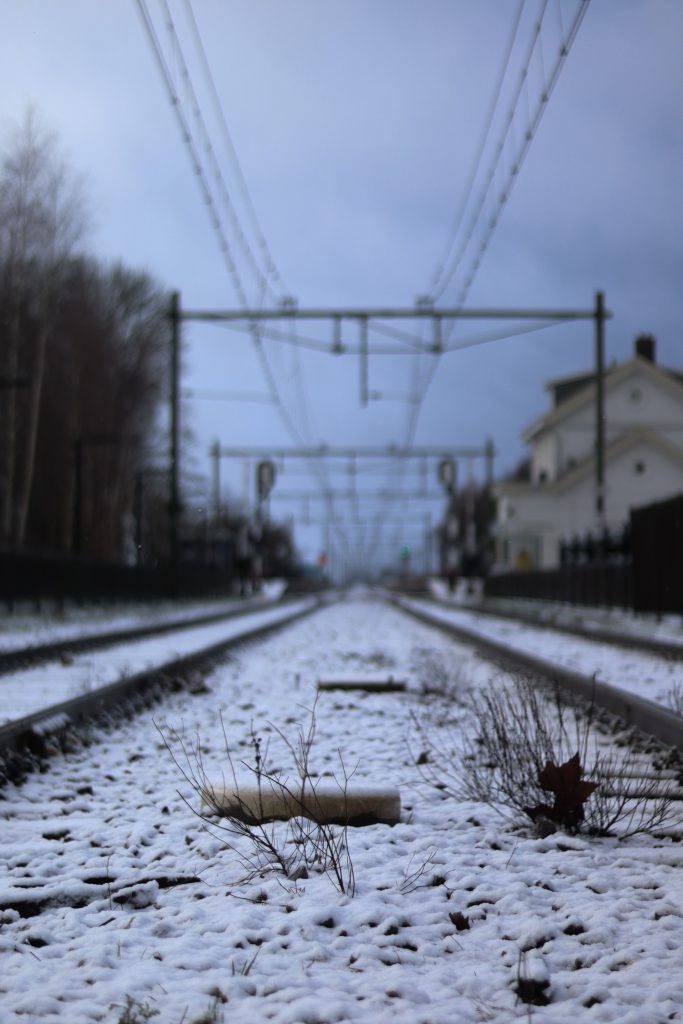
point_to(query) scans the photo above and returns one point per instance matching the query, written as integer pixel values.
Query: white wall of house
(640, 476)
(640, 400)
(642, 466)
(536, 518)
(545, 457)
(528, 532)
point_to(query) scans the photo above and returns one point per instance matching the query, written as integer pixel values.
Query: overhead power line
(268, 261)
(446, 271)
(193, 151)
(301, 404)
(197, 150)
(437, 288)
(520, 147)
(261, 274)
(520, 150)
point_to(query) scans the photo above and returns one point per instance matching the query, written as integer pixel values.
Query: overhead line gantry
(423, 310)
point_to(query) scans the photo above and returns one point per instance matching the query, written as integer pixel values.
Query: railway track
(663, 723)
(108, 872)
(552, 619)
(53, 723)
(26, 738)
(67, 647)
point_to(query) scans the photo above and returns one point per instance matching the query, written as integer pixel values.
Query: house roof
(629, 439)
(585, 395)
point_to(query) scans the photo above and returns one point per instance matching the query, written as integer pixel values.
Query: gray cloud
(356, 124)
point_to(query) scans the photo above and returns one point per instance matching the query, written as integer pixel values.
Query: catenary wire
(269, 263)
(437, 287)
(302, 404)
(186, 135)
(446, 275)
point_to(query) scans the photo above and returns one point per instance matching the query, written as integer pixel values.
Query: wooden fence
(657, 539)
(650, 581)
(40, 577)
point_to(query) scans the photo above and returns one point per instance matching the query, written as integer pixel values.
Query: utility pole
(600, 408)
(364, 396)
(138, 515)
(77, 529)
(216, 460)
(174, 500)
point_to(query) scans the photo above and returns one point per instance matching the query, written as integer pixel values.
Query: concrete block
(369, 683)
(325, 803)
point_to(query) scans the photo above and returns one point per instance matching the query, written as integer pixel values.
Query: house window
(636, 395)
(639, 467)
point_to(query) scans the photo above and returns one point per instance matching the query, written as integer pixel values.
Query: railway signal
(265, 479)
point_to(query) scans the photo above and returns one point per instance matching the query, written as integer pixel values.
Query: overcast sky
(357, 125)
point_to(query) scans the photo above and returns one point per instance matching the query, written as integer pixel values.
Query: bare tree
(104, 374)
(41, 220)
(82, 361)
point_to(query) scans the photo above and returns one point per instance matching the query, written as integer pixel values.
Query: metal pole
(426, 560)
(328, 547)
(174, 502)
(78, 496)
(138, 516)
(600, 408)
(216, 456)
(489, 452)
(489, 506)
(364, 361)
(385, 313)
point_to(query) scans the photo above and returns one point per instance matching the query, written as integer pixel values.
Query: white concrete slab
(325, 803)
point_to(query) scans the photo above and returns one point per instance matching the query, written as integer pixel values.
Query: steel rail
(21, 657)
(651, 645)
(660, 722)
(32, 732)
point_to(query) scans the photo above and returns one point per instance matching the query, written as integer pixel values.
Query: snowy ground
(26, 627)
(655, 678)
(41, 686)
(130, 897)
(660, 627)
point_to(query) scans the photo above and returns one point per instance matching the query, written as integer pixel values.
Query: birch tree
(42, 219)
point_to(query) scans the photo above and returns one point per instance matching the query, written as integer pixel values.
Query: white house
(643, 459)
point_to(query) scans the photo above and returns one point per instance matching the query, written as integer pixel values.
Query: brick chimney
(645, 347)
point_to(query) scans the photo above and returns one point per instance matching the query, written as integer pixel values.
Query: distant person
(524, 561)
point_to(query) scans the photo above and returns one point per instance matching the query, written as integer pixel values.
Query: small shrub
(437, 676)
(521, 742)
(245, 969)
(531, 983)
(675, 698)
(295, 847)
(135, 1012)
(213, 1014)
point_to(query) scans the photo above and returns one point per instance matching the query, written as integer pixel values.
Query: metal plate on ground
(324, 803)
(381, 683)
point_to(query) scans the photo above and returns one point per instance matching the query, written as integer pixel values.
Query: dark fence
(651, 580)
(41, 577)
(608, 585)
(657, 539)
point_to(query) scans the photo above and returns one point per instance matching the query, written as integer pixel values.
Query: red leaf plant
(571, 793)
